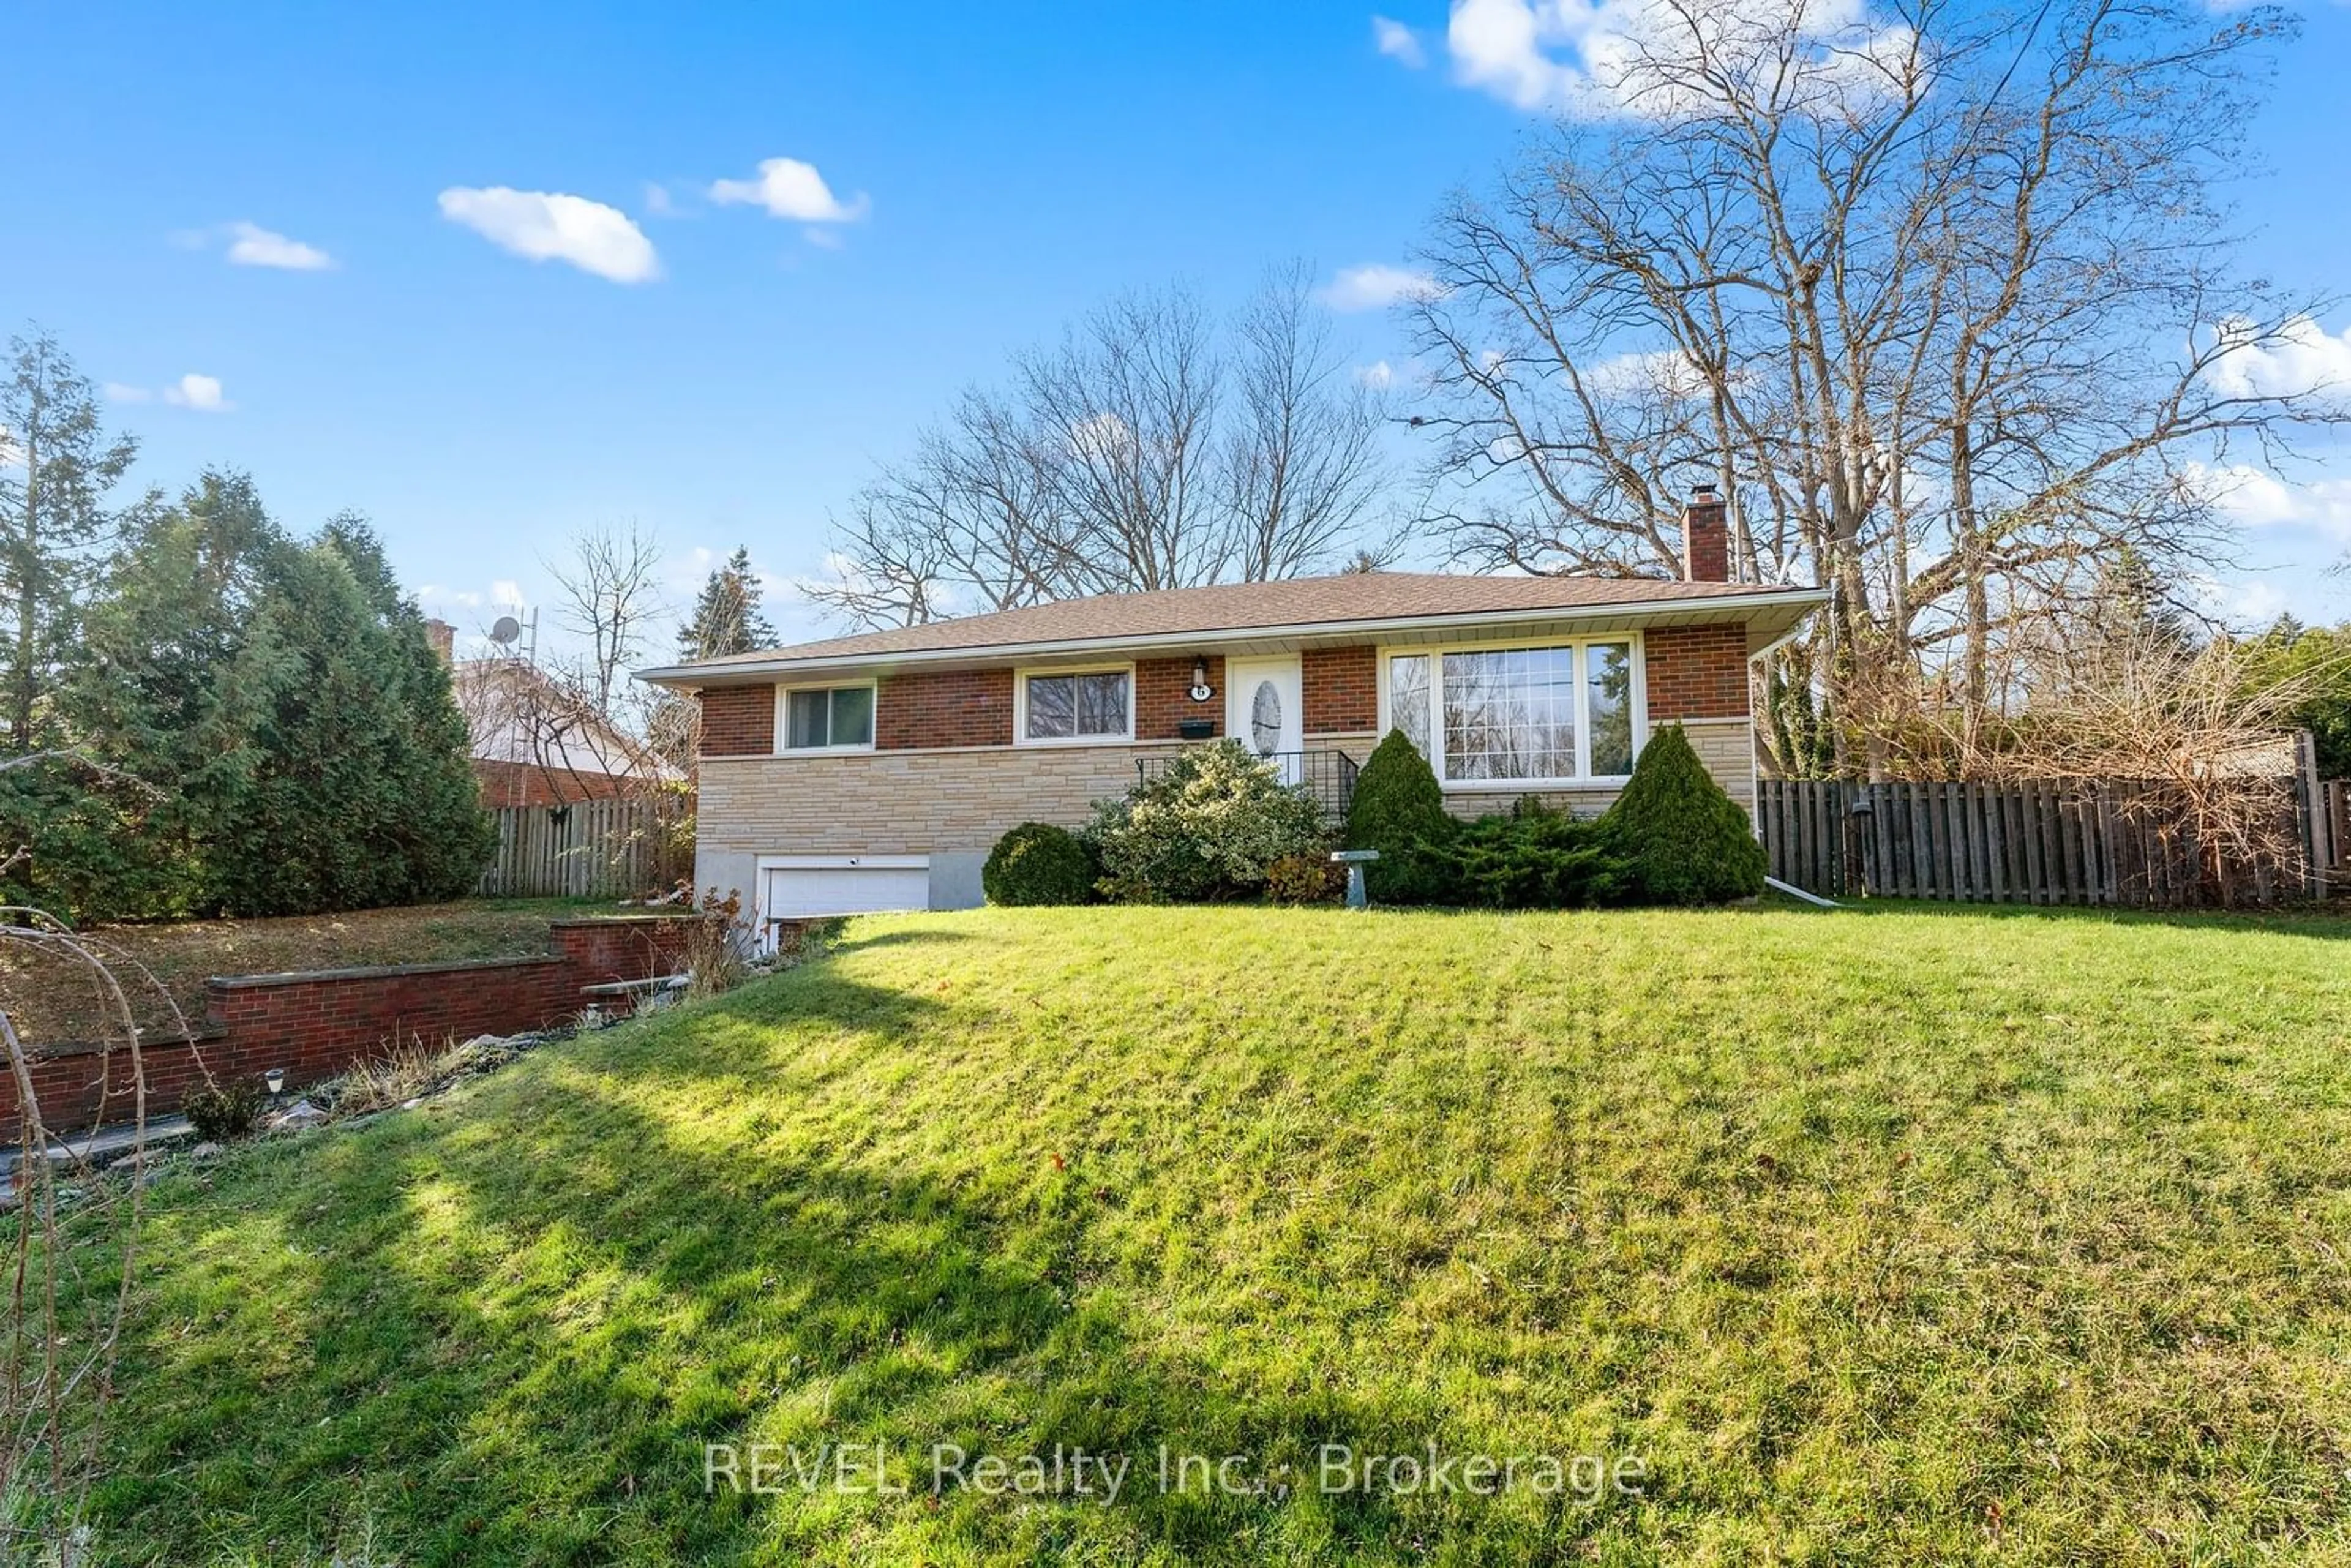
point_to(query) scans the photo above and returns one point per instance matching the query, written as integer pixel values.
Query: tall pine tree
(361, 794)
(57, 466)
(160, 693)
(726, 618)
(294, 741)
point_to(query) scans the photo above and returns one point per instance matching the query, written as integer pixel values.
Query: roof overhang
(1770, 616)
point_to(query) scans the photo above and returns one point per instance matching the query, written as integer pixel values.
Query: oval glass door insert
(1265, 719)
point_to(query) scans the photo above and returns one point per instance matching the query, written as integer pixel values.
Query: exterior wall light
(1201, 690)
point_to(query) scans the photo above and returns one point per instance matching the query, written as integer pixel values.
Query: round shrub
(1399, 810)
(1304, 879)
(1686, 841)
(1206, 828)
(1038, 862)
(222, 1114)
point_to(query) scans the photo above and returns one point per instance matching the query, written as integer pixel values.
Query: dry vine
(63, 1332)
(2205, 747)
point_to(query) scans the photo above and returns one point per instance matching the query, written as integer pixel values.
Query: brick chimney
(443, 638)
(1705, 537)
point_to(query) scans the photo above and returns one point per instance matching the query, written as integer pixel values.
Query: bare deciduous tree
(1139, 453)
(1302, 465)
(611, 595)
(1939, 294)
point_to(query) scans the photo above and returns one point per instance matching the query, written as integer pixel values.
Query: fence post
(2310, 807)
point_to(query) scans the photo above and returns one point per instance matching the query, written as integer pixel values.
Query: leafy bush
(222, 1114)
(1685, 840)
(1207, 827)
(1304, 879)
(1038, 862)
(1399, 810)
(1531, 857)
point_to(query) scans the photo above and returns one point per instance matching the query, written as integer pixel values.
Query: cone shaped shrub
(1038, 862)
(1399, 810)
(1687, 842)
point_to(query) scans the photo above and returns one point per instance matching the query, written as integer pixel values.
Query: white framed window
(1521, 715)
(1073, 707)
(825, 719)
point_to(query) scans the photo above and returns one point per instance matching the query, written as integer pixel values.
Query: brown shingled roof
(1250, 606)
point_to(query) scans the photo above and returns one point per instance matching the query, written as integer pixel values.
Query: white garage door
(845, 885)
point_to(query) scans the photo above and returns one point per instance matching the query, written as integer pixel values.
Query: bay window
(1566, 714)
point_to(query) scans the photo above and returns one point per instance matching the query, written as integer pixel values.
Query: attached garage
(793, 886)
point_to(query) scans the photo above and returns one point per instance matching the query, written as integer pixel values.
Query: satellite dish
(504, 629)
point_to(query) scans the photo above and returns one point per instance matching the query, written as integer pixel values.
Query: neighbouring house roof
(517, 716)
(1248, 616)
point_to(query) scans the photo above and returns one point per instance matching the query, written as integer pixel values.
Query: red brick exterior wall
(529, 784)
(738, 721)
(1696, 672)
(1342, 693)
(1706, 538)
(1163, 697)
(943, 708)
(317, 1026)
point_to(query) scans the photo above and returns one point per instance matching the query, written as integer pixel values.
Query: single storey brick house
(875, 771)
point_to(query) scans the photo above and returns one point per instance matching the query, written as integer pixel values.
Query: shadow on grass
(537, 1317)
(920, 937)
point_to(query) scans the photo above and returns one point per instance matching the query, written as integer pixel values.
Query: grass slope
(1929, 1235)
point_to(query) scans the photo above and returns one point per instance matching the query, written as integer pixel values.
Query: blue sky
(976, 176)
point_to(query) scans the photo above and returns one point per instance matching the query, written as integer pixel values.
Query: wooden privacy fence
(592, 849)
(2083, 841)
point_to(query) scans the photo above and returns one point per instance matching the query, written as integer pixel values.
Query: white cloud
(658, 201)
(1102, 438)
(1398, 42)
(824, 239)
(117, 392)
(788, 188)
(2256, 498)
(1375, 285)
(1378, 376)
(1498, 44)
(545, 225)
(2302, 357)
(507, 593)
(202, 393)
(1582, 56)
(250, 244)
(1661, 372)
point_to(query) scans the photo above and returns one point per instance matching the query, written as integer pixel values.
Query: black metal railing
(1328, 778)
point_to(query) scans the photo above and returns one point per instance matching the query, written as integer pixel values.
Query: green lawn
(1906, 1235)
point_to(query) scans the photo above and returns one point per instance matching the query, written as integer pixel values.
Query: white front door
(1262, 709)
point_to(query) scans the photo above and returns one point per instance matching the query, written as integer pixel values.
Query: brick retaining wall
(319, 1024)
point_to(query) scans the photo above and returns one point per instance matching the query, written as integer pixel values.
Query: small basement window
(828, 718)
